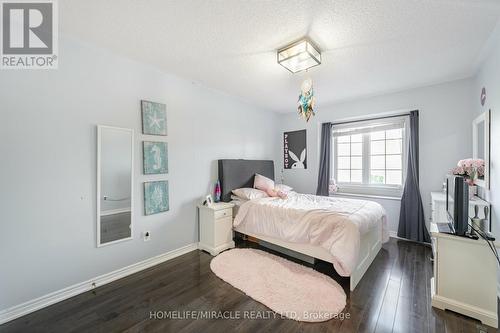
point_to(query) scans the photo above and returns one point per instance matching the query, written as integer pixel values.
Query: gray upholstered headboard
(235, 174)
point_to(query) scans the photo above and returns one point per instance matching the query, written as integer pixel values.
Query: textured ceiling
(369, 47)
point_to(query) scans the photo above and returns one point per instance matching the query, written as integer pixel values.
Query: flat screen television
(457, 204)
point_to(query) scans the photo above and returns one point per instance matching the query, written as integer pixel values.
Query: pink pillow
(263, 183)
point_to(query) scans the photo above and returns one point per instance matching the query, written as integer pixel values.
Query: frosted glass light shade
(299, 56)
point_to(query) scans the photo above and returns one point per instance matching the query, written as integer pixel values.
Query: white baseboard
(393, 234)
(485, 316)
(60, 295)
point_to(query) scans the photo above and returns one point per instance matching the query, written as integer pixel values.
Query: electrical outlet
(146, 235)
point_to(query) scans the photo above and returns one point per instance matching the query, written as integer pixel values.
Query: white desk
(465, 276)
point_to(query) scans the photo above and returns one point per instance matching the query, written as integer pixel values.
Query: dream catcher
(306, 100)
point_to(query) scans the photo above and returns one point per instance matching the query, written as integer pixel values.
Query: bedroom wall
(445, 135)
(48, 164)
(488, 76)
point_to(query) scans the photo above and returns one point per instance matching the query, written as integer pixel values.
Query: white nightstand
(216, 227)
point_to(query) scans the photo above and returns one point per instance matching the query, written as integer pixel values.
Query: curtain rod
(376, 118)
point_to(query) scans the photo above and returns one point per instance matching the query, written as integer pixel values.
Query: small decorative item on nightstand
(216, 227)
(217, 191)
(208, 201)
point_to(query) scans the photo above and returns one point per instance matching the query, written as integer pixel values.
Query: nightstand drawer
(220, 214)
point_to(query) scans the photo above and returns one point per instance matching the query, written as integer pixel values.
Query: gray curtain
(411, 217)
(324, 160)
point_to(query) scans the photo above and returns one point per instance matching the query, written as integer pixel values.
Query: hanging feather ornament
(306, 100)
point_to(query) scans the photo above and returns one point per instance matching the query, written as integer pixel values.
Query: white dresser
(465, 270)
(465, 276)
(216, 227)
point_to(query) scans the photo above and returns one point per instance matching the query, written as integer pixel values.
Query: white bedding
(332, 223)
(237, 202)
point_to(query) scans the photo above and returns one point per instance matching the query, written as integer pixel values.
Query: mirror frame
(98, 197)
(483, 117)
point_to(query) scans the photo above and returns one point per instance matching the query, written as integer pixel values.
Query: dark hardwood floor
(393, 296)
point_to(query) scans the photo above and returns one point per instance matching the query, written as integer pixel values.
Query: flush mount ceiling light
(299, 56)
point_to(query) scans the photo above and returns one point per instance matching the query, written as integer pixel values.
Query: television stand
(465, 276)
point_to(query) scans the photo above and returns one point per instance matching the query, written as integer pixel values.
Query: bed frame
(240, 173)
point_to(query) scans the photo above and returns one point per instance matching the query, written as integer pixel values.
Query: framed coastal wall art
(156, 198)
(295, 150)
(155, 155)
(154, 118)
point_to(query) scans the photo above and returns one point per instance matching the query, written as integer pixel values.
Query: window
(386, 157)
(368, 156)
(350, 159)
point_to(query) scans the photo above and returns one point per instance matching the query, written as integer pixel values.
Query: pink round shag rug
(289, 289)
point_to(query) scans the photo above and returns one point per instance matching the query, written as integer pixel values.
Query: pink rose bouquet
(470, 168)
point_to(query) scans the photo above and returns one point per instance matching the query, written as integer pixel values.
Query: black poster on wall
(295, 150)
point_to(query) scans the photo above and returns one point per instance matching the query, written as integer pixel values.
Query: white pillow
(263, 183)
(237, 198)
(249, 193)
(237, 201)
(282, 188)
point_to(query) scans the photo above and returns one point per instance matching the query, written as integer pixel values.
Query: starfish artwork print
(154, 118)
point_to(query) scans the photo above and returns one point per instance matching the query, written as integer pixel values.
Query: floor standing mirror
(114, 184)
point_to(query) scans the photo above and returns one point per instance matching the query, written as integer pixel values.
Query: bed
(345, 232)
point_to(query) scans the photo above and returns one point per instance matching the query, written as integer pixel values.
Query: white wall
(445, 135)
(48, 164)
(488, 76)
